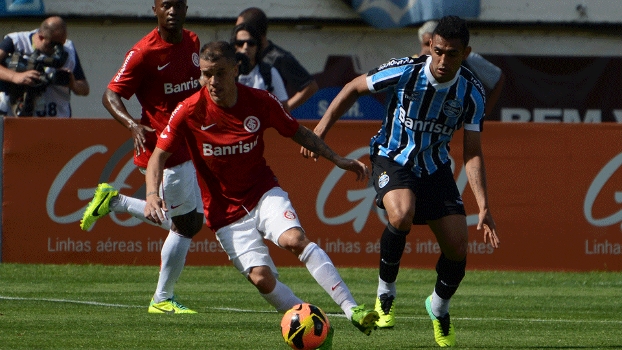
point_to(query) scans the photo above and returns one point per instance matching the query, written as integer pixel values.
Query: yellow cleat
(364, 320)
(386, 310)
(99, 205)
(444, 333)
(168, 306)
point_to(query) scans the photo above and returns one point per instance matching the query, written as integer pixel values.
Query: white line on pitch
(96, 303)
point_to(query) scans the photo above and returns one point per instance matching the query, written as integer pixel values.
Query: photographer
(39, 70)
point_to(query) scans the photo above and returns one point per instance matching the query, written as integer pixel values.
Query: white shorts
(180, 190)
(243, 240)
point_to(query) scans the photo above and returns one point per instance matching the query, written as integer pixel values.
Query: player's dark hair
(257, 18)
(453, 27)
(215, 50)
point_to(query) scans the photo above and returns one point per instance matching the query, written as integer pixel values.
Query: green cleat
(99, 205)
(386, 310)
(168, 306)
(328, 342)
(364, 320)
(444, 333)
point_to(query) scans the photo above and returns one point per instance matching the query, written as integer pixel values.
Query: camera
(22, 97)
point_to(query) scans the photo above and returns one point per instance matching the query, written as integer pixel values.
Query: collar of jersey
(432, 80)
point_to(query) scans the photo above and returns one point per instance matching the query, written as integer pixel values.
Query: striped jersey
(423, 114)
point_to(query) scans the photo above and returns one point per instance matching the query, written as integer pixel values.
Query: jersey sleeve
(78, 72)
(128, 78)
(170, 137)
(7, 45)
(388, 74)
(280, 119)
(476, 103)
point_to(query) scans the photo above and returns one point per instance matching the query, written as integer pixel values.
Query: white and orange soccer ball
(304, 327)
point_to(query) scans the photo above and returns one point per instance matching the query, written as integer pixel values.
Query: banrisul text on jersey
(192, 84)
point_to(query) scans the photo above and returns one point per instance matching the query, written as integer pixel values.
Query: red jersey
(161, 75)
(227, 146)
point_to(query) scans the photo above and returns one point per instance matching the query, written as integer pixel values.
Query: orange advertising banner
(555, 191)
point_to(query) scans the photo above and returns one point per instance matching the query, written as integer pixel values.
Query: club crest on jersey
(383, 179)
(251, 123)
(452, 108)
(290, 215)
(195, 59)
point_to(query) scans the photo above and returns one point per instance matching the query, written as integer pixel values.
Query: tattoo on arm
(311, 141)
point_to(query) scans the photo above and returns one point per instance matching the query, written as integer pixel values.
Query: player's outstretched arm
(155, 206)
(340, 105)
(312, 142)
(476, 173)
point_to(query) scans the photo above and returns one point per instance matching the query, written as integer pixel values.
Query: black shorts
(436, 195)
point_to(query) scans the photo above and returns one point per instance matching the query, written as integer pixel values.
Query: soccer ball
(304, 327)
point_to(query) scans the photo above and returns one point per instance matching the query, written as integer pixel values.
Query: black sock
(449, 275)
(392, 245)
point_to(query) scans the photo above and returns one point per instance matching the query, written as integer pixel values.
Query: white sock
(136, 208)
(386, 288)
(322, 269)
(173, 256)
(440, 306)
(281, 297)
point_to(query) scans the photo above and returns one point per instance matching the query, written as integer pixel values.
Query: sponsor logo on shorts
(290, 215)
(383, 179)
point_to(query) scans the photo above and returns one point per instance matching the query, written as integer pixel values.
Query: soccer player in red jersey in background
(224, 124)
(162, 69)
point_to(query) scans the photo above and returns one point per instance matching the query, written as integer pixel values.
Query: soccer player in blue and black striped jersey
(429, 98)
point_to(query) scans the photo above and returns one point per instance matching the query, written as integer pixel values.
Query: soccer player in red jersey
(162, 69)
(224, 124)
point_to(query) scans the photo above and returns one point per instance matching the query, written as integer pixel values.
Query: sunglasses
(249, 42)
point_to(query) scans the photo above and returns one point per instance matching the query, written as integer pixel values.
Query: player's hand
(155, 209)
(29, 77)
(138, 134)
(308, 154)
(355, 166)
(490, 229)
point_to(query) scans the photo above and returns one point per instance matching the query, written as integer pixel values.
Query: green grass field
(105, 307)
